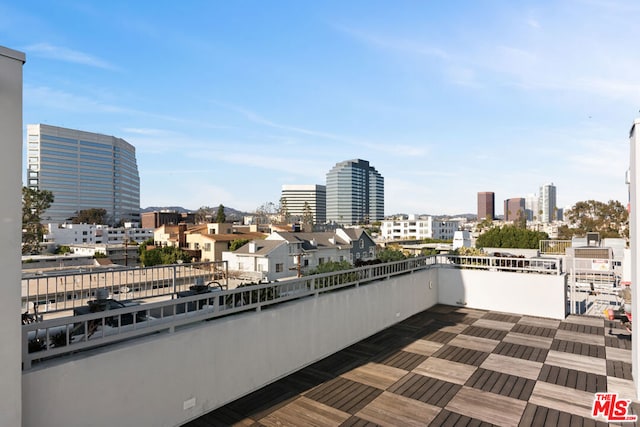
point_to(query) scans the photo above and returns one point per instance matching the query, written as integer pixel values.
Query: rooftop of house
(452, 366)
(321, 238)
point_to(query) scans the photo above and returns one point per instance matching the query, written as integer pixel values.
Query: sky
(226, 101)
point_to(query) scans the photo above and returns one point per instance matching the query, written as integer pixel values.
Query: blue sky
(226, 101)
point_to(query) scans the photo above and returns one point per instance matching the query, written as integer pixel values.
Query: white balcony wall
(166, 380)
(521, 293)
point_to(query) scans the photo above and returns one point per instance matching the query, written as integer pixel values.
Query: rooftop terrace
(451, 366)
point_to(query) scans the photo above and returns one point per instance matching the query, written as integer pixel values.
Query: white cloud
(60, 53)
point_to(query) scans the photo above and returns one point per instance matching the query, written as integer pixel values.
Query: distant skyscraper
(531, 207)
(486, 205)
(83, 170)
(514, 209)
(547, 203)
(355, 193)
(295, 196)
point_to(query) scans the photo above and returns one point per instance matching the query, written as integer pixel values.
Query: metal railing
(59, 336)
(55, 292)
(511, 264)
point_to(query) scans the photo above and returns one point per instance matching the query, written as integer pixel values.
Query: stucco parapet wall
(13, 54)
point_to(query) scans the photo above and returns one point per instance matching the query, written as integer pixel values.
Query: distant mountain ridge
(229, 212)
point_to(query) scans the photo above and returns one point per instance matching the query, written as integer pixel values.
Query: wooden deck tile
(591, 339)
(624, 388)
(501, 383)
(304, 411)
(562, 399)
(454, 329)
(579, 348)
(439, 336)
(619, 369)
(578, 380)
(585, 320)
(537, 331)
(424, 347)
(390, 409)
(344, 395)
(618, 341)
(540, 416)
(577, 362)
(461, 355)
(539, 322)
(582, 328)
(402, 360)
(502, 317)
(474, 343)
(355, 421)
(528, 340)
(452, 419)
(445, 370)
(494, 324)
(375, 375)
(619, 354)
(513, 366)
(471, 312)
(521, 351)
(488, 407)
(425, 389)
(480, 332)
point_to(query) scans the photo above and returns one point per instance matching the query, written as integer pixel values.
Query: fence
(118, 322)
(52, 293)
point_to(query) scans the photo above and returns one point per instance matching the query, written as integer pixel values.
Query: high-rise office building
(83, 170)
(486, 205)
(531, 207)
(355, 193)
(514, 209)
(297, 196)
(547, 203)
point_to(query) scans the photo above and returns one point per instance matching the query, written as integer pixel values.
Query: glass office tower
(355, 193)
(83, 170)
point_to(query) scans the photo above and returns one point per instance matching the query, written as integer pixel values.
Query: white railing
(55, 292)
(59, 336)
(507, 264)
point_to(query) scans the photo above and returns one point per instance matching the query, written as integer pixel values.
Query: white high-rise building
(547, 208)
(355, 193)
(531, 207)
(83, 170)
(296, 196)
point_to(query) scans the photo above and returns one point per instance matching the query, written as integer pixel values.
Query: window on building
(361, 243)
(320, 261)
(279, 268)
(207, 246)
(240, 266)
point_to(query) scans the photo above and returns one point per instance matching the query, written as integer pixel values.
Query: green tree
(61, 250)
(331, 266)
(220, 216)
(90, 216)
(238, 243)
(510, 236)
(164, 255)
(34, 203)
(307, 217)
(285, 216)
(609, 219)
(390, 254)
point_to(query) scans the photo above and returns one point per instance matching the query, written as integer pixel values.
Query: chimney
(252, 247)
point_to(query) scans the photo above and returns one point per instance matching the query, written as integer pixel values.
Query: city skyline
(228, 102)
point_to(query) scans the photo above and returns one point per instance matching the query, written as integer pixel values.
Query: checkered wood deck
(451, 366)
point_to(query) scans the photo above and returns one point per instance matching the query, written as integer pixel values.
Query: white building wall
(11, 63)
(417, 228)
(528, 294)
(150, 382)
(634, 237)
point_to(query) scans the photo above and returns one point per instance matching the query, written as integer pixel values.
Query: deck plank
(577, 362)
(390, 409)
(304, 411)
(488, 407)
(375, 375)
(457, 373)
(510, 365)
